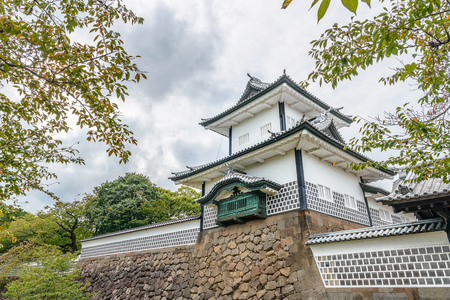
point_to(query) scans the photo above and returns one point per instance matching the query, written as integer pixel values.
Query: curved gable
(246, 182)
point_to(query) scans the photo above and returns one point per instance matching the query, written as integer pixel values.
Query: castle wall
(261, 259)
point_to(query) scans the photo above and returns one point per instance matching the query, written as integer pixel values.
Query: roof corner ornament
(229, 170)
(324, 115)
(403, 189)
(251, 77)
(272, 134)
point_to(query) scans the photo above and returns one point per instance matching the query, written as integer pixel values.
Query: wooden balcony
(241, 208)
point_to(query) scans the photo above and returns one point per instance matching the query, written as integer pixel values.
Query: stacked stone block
(261, 259)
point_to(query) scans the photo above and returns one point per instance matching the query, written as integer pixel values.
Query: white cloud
(197, 54)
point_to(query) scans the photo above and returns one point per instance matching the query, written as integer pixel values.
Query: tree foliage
(31, 228)
(351, 5)
(416, 34)
(171, 205)
(117, 204)
(71, 217)
(62, 225)
(46, 77)
(8, 214)
(133, 200)
(42, 272)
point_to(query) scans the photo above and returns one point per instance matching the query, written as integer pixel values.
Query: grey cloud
(172, 52)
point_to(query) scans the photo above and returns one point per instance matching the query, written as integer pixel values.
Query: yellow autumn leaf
(286, 4)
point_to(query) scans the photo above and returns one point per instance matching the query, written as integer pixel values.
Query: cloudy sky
(197, 54)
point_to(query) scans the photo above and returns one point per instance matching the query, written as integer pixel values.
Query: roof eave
(283, 79)
(303, 126)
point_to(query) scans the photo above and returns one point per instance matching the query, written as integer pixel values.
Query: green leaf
(351, 5)
(322, 9)
(314, 3)
(367, 2)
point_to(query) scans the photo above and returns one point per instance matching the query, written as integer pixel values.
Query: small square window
(265, 129)
(244, 139)
(350, 202)
(325, 193)
(290, 122)
(385, 215)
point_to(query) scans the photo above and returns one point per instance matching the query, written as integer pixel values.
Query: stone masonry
(262, 259)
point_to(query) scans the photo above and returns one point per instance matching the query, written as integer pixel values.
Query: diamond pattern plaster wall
(177, 238)
(376, 220)
(286, 199)
(336, 207)
(419, 266)
(209, 216)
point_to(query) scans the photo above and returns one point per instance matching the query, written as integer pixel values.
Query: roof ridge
(149, 226)
(419, 226)
(279, 79)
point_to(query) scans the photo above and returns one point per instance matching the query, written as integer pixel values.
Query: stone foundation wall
(410, 293)
(261, 259)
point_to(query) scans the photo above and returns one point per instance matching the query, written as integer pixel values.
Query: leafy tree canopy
(9, 213)
(172, 205)
(415, 33)
(60, 225)
(117, 204)
(42, 273)
(31, 228)
(71, 217)
(45, 77)
(351, 5)
(133, 200)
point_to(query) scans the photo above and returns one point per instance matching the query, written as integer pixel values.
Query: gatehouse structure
(284, 216)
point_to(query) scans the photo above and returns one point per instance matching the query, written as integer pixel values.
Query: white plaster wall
(143, 233)
(252, 126)
(386, 243)
(280, 169)
(293, 113)
(376, 205)
(209, 185)
(321, 172)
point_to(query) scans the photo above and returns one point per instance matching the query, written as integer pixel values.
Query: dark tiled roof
(373, 189)
(429, 225)
(273, 138)
(254, 86)
(404, 190)
(196, 217)
(282, 79)
(326, 125)
(233, 177)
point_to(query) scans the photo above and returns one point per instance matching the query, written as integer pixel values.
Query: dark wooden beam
(301, 179)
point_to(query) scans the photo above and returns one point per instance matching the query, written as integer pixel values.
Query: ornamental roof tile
(421, 226)
(405, 190)
(185, 219)
(266, 87)
(234, 176)
(326, 125)
(254, 86)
